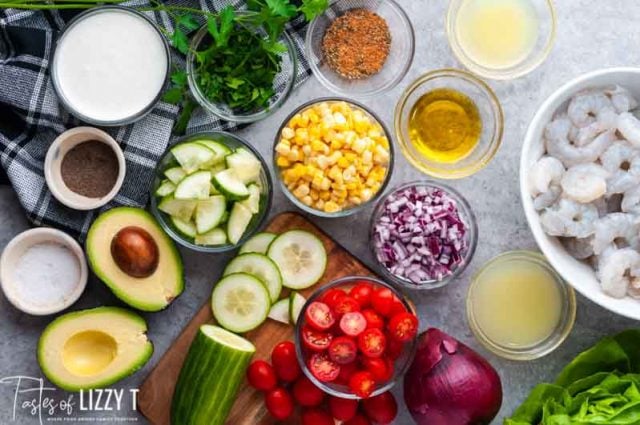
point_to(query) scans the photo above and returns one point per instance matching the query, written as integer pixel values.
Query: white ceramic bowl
(579, 275)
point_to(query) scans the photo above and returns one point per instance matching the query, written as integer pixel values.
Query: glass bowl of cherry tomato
(356, 336)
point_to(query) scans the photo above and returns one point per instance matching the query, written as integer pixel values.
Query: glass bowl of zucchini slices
(211, 191)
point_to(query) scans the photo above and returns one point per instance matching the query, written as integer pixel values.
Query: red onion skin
(450, 384)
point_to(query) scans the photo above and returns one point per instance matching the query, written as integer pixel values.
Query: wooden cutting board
(154, 398)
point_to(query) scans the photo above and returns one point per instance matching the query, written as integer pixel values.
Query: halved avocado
(135, 258)
(93, 348)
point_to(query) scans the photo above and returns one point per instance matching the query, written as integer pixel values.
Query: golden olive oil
(444, 125)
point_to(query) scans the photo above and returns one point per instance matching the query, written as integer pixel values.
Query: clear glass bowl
(400, 55)
(490, 113)
(401, 364)
(465, 213)
(352, 210)
(283, 83)
(561, 331)
(167, 161)
(544, 42)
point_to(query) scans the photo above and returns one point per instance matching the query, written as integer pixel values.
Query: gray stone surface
(591, 34)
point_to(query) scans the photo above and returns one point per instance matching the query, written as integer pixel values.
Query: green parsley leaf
(179, 78)
(188, 22)
(180, 41)
(313, 8)
(173, 95)
(282, 8)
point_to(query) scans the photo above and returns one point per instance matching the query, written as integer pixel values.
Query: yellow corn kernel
(288, 133)
(350, 137)
(337, 142)
(283, 149)
(318, 146)
(301, 191)
(301, 137)
(367, 157)
(325, 184)
(341, 123)
(319, 205)
(283, 162)
(375, 132)
(306, 150)
(325, 195)
(328, 135)
(307, 200)
(331, 207)
(355, 200)
(293, 155)
(366, 194)
(314, 194)
(343, 162)
(314, 133)
(322, 161)
(317, 181)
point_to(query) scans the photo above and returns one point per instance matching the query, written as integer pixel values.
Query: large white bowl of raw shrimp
(580, 186)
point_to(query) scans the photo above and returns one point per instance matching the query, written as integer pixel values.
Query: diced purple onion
(420, 235)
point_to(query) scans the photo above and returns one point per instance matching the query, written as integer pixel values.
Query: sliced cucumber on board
(212, 372)
(260, 266)
(239, 220)
(192, 156)
(179, 208)
(209, 213)
(296, 302)
(175, 174)
(228, 183)
(280, 311)
(194, 186)
(301, 258)
(166, 188)
(258, 243)
(214, 237)
(240, 302)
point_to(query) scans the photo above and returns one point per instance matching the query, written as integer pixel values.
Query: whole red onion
(450, 384)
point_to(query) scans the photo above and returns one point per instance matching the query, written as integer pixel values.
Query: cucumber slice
(280, 311)
(296, 302)
(245, 164)
(260, 266)
(216, 236)
(240, 302)
(194, 186)
(228, 183)
(209, 213)
(218, 148)
(253, 201)
(192, 156)
(179, 208)
(212, 373)
(239, 220)
(258, 243)
(300, 256)
(213, 190)
(166, 188)
(175, 174)
(188, 228)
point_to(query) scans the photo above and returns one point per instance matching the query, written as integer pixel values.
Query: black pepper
(90, 169)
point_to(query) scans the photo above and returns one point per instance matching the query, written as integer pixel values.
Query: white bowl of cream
(110, 65)
(43, 271)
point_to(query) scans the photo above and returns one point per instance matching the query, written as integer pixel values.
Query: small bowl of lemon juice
(501, 39)
(449, 124)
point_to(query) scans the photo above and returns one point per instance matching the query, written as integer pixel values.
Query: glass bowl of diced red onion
(423, 235)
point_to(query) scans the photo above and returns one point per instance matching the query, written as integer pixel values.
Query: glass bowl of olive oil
(449, 124)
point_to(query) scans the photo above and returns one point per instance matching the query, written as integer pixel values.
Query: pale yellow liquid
(517, 304)
(497, 34)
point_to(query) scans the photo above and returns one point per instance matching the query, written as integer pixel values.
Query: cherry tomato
(374, 320)
(319, 316)
(403, 326)
(346, 370)
(362, 293)
(306, 393)
(394, 348)
(382, 301)
(372, 342)
(332, 296)
(353, 324)
(261, 376)
(343, 409)
(381, 409)
(323, 368)
(279, 403)
(379, 368)
(316, 417)
(343, 350)
(346, 304)
(397, 307)
(362, 383)
(283, 358)
(358, 419)
(316, 340)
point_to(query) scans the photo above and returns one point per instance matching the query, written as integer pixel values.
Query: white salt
(46, 274)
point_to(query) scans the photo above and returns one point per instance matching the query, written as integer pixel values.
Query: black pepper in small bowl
(90, 169)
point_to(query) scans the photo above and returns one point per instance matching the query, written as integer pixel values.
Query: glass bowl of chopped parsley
(242, 75)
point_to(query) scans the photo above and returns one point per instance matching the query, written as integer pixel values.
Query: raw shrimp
(586, 106)
(618, 228)
(622, 161)
(622, 100)
(544, 182)
(631, 201)
(617, 270)
(559, 145)
(569, 218)
(629, 127)
(585, 182)
(578, 248)
(548, 198)
(607, 120)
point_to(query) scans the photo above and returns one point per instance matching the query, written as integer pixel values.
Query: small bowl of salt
(43, 271)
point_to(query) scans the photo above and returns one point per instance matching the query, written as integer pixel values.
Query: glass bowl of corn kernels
(333, 157)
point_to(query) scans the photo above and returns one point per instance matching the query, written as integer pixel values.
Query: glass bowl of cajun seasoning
(84, 168)
(361, 47)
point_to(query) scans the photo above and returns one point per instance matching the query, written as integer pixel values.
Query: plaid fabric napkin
(31, 117)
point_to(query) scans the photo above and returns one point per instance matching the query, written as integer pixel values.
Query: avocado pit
(135, 252)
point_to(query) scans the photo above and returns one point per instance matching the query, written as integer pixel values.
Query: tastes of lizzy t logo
(32, 397)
